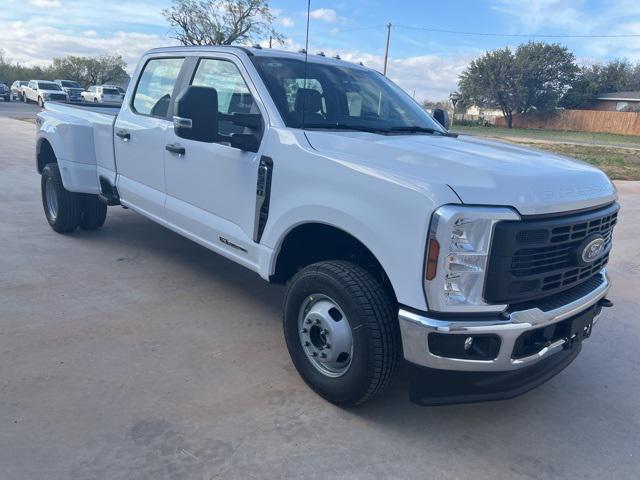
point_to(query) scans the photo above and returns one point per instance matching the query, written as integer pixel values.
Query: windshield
(48, 86)
(340, 97)
(70, 84)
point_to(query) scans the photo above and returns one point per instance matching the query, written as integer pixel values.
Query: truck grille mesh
(533, 258)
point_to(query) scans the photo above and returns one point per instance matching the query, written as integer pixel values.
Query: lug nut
(306, 344)
(308, 321)
(323, 355)
(314, 354)
(304, 330)
(317, 321)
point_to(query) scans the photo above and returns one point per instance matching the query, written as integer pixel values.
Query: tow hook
(605, 303)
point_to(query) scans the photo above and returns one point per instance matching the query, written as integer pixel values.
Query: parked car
(120, 90)
(41, 91)
(5, 92)
(481, 263)
(17, 89)
(72, 89)
(102, 94)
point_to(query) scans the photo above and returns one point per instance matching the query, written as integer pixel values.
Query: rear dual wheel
(341, 330)
(65, 211)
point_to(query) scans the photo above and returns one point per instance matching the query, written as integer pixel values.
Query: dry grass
(618, 163)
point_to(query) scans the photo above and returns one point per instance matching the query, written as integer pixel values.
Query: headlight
(457, 254)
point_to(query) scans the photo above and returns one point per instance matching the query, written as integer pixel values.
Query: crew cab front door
(140, 132)
(211, 187)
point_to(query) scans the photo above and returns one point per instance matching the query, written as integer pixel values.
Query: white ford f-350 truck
(479, 265)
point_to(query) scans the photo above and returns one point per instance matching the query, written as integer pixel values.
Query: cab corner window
(155, 87)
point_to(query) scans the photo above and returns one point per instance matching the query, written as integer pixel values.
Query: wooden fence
(625, 123)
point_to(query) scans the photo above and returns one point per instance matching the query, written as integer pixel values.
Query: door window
(155, 87)
(233, 94)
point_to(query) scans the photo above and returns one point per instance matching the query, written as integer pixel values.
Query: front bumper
(415, 329)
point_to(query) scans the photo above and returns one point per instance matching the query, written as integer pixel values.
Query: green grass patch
(550, 135)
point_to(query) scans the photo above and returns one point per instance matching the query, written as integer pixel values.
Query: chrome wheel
(51, 198)
(325, 335)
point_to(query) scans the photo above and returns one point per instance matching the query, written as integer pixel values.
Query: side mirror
(442, 117)
(244, 141)
(249, 120)
(196, 114)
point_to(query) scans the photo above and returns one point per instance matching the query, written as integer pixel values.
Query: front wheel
(40, 102)
(341, 330)
(62, 208)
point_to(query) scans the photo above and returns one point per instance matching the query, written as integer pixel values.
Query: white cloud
(45, 3)
(576, 17)
(286, 22)
(324, 14)
(46, 42)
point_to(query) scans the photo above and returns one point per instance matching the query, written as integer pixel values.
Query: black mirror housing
(200, 106)
(442, 117)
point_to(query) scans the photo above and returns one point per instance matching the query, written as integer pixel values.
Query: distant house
(617, 101)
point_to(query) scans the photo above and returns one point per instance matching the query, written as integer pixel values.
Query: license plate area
(573, 330)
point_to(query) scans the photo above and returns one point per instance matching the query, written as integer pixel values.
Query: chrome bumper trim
(415, 328)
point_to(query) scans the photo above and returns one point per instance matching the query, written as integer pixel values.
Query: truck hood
(481, 172)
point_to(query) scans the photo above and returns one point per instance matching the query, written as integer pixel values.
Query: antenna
(306, 62)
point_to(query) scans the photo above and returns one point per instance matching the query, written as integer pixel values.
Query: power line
(526, 35)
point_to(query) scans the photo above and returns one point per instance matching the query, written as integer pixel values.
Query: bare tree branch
(221, 22)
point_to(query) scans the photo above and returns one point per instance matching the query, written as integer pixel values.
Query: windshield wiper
(345, 126)
(418, 129)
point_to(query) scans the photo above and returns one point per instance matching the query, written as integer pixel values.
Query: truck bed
(112, 110)
(82, 137)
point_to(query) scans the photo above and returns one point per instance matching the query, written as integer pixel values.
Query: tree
(544, 73)
(91, 70)
(490, 82)
(221, 22)
(592, 80)
(430, 105)
(533, 78)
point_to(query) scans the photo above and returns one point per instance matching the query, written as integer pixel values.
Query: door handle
(124, 135)
(175, 148)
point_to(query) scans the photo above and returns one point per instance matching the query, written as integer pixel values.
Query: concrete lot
(132, 353)
(17, 109)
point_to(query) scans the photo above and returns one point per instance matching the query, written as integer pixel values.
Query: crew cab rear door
(140, 132)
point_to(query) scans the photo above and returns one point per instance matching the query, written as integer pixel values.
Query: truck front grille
(534, 258)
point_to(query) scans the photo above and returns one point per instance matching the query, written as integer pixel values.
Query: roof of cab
(253, 51)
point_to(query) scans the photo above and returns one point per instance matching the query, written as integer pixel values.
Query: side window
(154, 89)
(233, 94)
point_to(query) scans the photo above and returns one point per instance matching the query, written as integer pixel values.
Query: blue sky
(427, 63)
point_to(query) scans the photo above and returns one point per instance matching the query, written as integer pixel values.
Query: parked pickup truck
(479, 265)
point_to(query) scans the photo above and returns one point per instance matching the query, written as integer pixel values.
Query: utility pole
(270, 41)
(386, 49)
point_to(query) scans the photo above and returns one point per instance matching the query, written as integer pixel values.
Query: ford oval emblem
(593, 250)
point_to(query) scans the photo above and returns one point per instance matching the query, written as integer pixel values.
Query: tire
(372, 324)
(94, 212)
(66, 215)
(40, 102)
